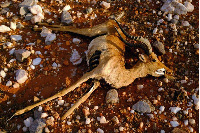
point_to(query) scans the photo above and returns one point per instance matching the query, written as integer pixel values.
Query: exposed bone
(111, 65)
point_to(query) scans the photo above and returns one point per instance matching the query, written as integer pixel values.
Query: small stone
(185, 122)
(16, 37)
(9, 83)
(166, 80)
(16, 85)
(76, 41)
(185, 23)
(27, 3)
(45, 32)
(89, 10)
(43, 115)
(37, 126)
(75, 57)
(13, 25)
(28, 122)
(66, 17)
(66, 8)
(87, 121)
(2, 74)
(35, 9)
(20, 25)
(37, 18)
(169, 17)
(115, 120)
(174, 123)
(174, 21)
(99, 130)
(141, 124)
(102, 119)
(46, 129)
(21, 76)
(22, 54)
(50, 121)
(28, 16)
(139, 87)
(24, 129)
(4, 28)
(159, 46)
(121, 129)
(189, 6)
(112, 96)
(61, 102)
(143, 106)
(105, 5)
(162, 108)
(192, 121)
(174, 109)
(86, 111)
(36, 61)
(40, 108)
(50, 37)
(23, 11)
(35, 99)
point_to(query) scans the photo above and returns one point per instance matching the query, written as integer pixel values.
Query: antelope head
(149, 63)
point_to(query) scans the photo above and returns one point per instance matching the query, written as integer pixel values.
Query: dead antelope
(105, 59)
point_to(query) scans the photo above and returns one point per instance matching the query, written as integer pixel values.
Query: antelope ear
(142, 58)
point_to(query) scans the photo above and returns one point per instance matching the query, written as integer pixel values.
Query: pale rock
(75, 57)
(162, 131)
(46, 129)
(50, 37)
(155, 30)
(185, 122)
(69, 122)
(21, 76)
(13, 25)
(169, 17)
(185, 23)
(37, 18)
(27, 3)
(160, 89)
(121, 129)
(191, 129)
(36, 61)
(99, 130)
(22, 54)
(35, 9)
(195, 99)
(61, 102)
(112, 96)
(9, 44)
(189, 6)
(2, 74)
(105, 5)
(40, 108)
(143, 106)
(115, 120)
(102, 119)
(176, 17)
(16, 37)
(66, 8)
(44, 115)
(139, 87)
(174, 123)
(159, 46)
(4, 28)
(24, 129)
(28, 122)
(66, 17)
(87, 121)
(9, 83)
(45, 32)
(174, 7)
(54, 65)
(16, 85)
(175, 109)
(192, 121)
(162, 108)
(50, 121)
(37, 126)
(11, 52)
(76, 40)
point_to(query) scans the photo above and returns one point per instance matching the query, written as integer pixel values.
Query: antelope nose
(161, 71)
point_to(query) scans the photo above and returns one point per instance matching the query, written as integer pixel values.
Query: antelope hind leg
(84, 78)
(81, 100)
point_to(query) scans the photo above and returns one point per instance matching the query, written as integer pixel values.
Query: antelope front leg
(81, 100)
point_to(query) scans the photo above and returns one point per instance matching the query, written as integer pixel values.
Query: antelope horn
(146, 46)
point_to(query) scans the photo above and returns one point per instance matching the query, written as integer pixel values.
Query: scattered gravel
(21, 54)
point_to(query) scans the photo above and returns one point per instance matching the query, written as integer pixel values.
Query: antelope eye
(154, 60)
